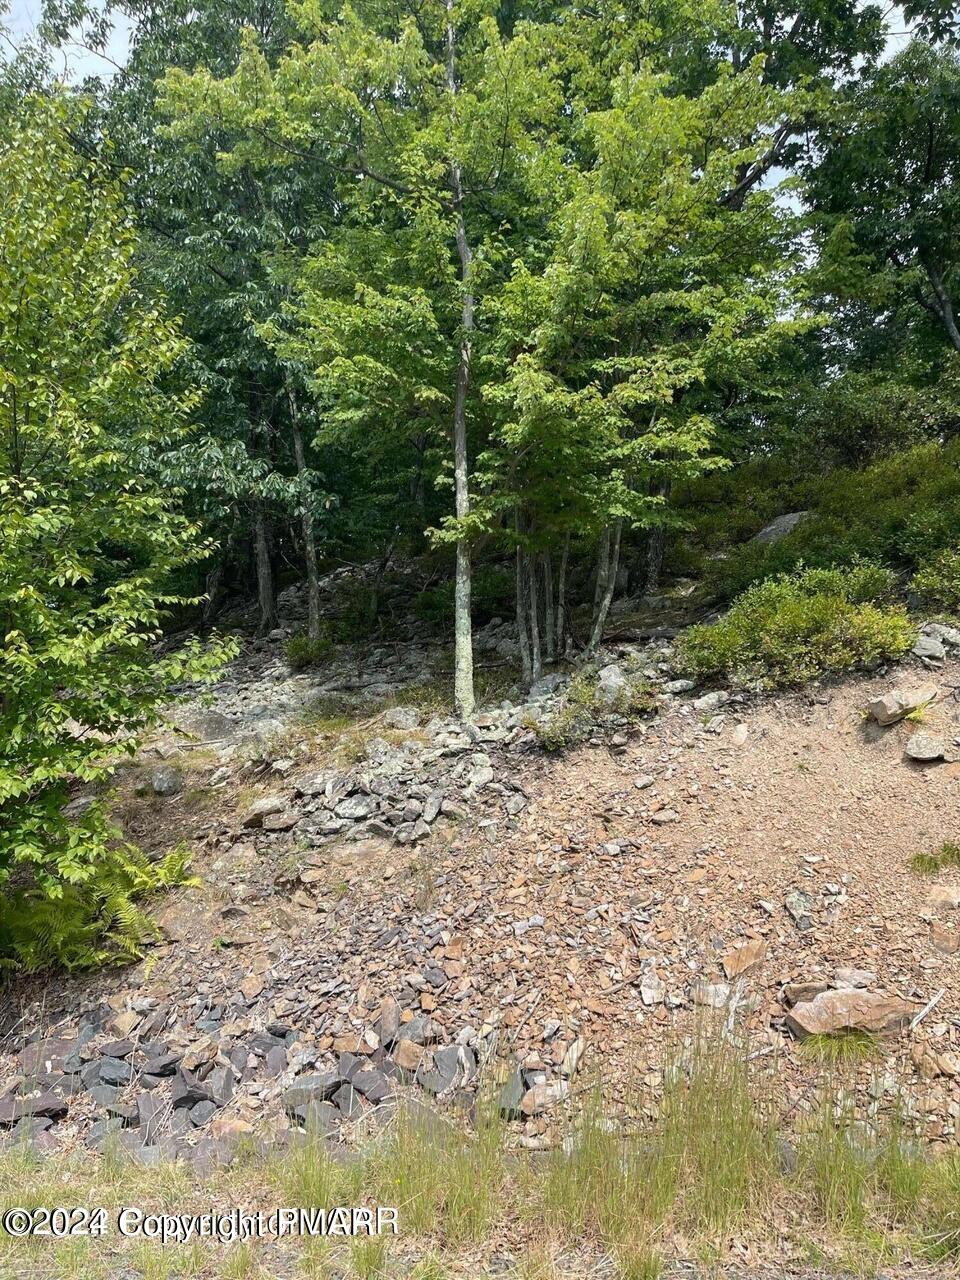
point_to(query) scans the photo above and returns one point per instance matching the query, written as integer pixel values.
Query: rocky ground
(411, 902)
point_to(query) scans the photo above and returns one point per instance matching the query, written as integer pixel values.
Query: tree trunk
(463, 631)
(306, 523)
(613, 564)
(549, 609)
(213, 593)
(603, 568)
(656, 546)
(562, 600)
(943, 306)
(523, 639)
(536, 659)
(261, 546)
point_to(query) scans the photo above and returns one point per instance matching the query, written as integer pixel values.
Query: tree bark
(306, 523)
(213, 593)
(613, 564)
(261, 546)
(536, 658)
(943, 306)
(562, 600)
(463, 632)
(523, 639)
(656, 546)
(603, 568)
(549, 609)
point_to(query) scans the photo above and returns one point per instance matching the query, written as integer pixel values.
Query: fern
(100, 921)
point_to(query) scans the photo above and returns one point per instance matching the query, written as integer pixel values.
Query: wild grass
(843, 1047)
(948, 855)
(624, 1190)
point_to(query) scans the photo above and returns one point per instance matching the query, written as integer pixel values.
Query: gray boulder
(778, 529)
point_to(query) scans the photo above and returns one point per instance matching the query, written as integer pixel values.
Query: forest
(556, 304)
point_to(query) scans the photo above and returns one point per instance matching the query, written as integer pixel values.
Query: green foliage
(937, 582)
(95, 922)
(302, 652)
(796, 627)
(583, 710)
(850, 1046)
(491, 596)
(901, 510)
(948, 855)
(89, 537)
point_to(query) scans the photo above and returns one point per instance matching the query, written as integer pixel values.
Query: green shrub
(583, 710)
(937, 582)
(491, 595)
(902, 510)
(795, 627)
(303, 652)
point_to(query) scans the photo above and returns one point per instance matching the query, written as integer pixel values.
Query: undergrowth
(901, 510)
(584, 709)
(796, 627)
(948, 855)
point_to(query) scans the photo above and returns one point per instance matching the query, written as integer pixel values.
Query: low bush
(583, 709)
(303, 652)
(937, 582)
(491, 596)
(798, 626)
(902, 510)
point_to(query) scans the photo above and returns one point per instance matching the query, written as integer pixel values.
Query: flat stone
(653, 989)
(42, 1104)
(779, 528)
(101, 1132)
(261, 809)
(893, 706)
(115, 1071)
(118, 1049)
(408, 1055)
(202, 1112)
(404, 718)
(854, 978)
(187, 1090)
(709, 703)
(711, 995)
(357, 807)
(511, 1094)
(285, 821)
(373, 1084)
(743, 956)
(543, 1096)
(925, 746)
(800, 907)
(834, 1012)
(611, 684)
(319, 1118)
(802, 992)
(150, 1110)
(165, 1064)
(313, 1088)
(929, 647)
(388, 1023)
(347, 1101)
